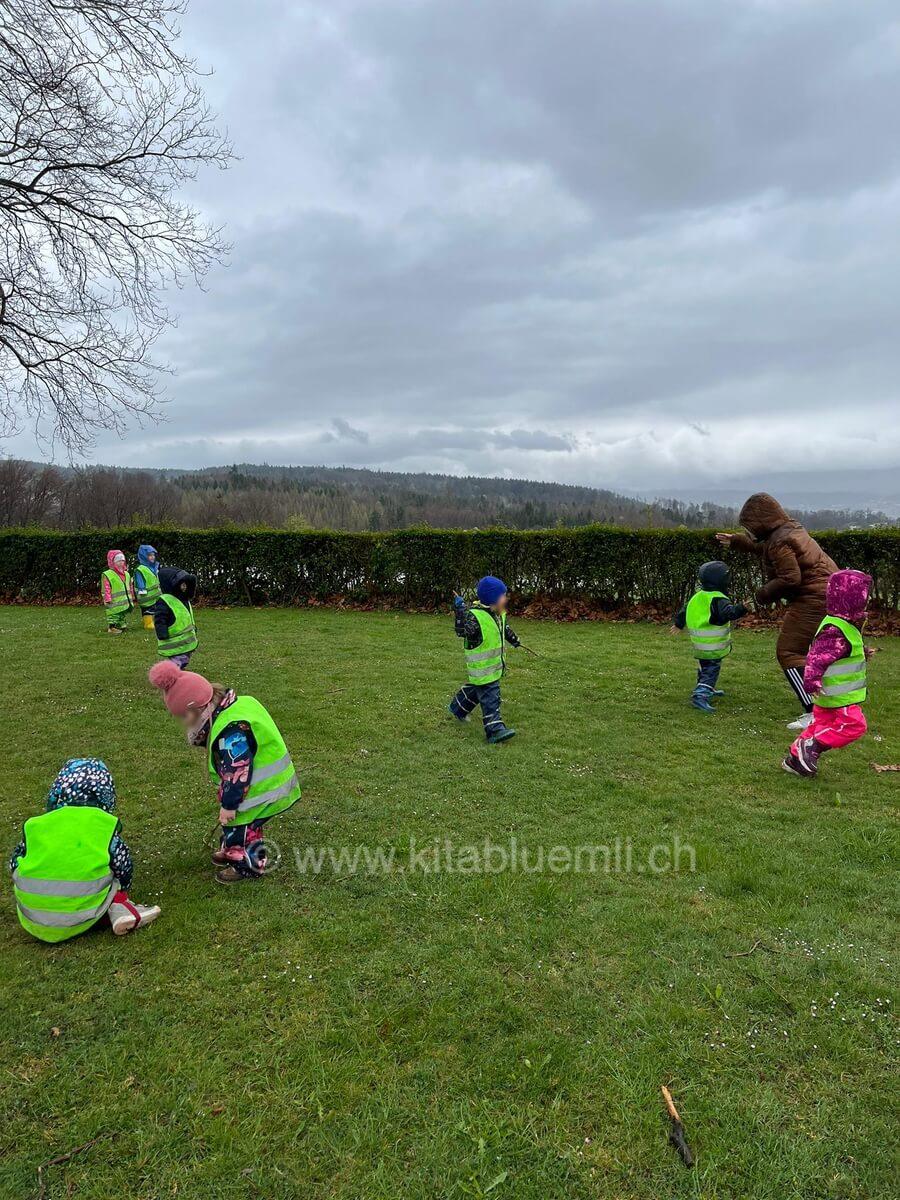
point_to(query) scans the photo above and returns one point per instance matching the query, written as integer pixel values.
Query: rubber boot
(147, 621)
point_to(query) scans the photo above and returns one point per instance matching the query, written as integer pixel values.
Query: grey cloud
(630, 244)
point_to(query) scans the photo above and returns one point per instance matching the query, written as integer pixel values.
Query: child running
(835, 675)
(146, 583)
(484, 628)
(116, 591)
(246, 757)
(72, 867)
(173, 616)
(708, 616)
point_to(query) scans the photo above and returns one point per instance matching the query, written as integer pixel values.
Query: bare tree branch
(102, 122)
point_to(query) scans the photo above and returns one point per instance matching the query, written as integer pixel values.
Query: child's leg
(465, 700)
(489, 695)
(833, 728)
(244, 852)
(116, 621)
(708, 674)
(181, 661)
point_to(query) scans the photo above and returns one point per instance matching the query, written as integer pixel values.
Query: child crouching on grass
(835, 675)
(116, 591)
(246, 757)
(71, 867)
(484, 628)
(708, 616)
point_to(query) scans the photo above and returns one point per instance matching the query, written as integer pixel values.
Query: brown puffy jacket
(796, 565)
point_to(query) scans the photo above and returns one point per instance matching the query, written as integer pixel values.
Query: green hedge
(606, 568)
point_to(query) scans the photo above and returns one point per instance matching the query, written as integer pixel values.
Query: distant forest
(339, 498)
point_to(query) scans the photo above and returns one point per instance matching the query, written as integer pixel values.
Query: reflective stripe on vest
(707, 640)
(486, 663)
(844, 682)
(63, 882)
(150, 584)
(119, 592)
(274, 785)
(182, 637)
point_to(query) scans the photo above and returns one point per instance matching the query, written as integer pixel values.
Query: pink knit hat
(182, 690)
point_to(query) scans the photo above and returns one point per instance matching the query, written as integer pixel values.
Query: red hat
(182, 690)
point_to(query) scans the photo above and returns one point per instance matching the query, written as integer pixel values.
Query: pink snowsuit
(846, 596)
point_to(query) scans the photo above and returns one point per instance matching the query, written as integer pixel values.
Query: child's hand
(870, 650)
(724, 538)
(458, 601)
(226, 815)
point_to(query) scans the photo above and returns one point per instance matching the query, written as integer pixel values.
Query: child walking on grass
(71, 867)
(484, 628)
(708, 617)
(116, 591)
(835, 675)
(246, 757)
(146, 583)
(173, 616)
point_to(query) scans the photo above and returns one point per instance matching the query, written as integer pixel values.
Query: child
(485, 631)
(116, 591)
(835, 674)
(173, 616)
(708, 616)
(72, 867)
(146, 583)
(246, 756)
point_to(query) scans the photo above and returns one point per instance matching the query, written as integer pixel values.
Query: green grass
(446, 1034)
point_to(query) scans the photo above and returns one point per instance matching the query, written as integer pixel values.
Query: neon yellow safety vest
(707, 640)
(274, 785)
(487, 662)
(182, 637)
(844, 682)
(144, 578)
(119, 592)
(63, 882)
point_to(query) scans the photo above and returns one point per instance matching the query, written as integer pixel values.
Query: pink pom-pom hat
(182, 690)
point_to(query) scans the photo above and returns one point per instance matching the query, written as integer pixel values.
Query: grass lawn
(442, 1034)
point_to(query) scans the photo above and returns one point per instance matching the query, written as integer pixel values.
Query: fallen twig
(885, 767)
(745, 953)
(58, 1161)
(676, 1132)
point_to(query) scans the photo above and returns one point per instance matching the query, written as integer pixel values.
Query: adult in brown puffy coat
(797, 570)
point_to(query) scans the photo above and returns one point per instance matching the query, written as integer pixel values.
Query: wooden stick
(58, 1161)
(670, 1103)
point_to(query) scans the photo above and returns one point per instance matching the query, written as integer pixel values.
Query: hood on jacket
(144, 553)
(180, 584)
(847, 595)
(761, 514)
(111, 556)
(85, 783)
(713, 576)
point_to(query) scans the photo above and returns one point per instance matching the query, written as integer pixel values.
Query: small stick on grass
(745, 953)
(676, 1132)
(41, 1192)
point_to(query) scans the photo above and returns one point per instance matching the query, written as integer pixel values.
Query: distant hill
(253, 494)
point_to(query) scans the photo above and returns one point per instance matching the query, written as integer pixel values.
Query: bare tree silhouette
(102, 121)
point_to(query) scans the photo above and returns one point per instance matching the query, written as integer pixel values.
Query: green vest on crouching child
(274, 785)
(182, 637)
(120, 592)
(63, 882)
(844, 682)
(146, 580)
(707, 640)
(487, 662)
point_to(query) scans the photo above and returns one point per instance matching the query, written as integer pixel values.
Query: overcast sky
(635, 243)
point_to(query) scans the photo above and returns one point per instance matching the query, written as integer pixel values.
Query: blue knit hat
(490, 589)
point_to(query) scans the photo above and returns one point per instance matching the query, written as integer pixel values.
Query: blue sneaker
(701, 700)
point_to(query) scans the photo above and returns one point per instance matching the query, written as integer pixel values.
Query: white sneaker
(126, 917)
(803, 721)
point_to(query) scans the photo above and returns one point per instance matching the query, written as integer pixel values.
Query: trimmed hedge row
(608, 568)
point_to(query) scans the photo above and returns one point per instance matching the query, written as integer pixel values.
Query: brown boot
(231, 875)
